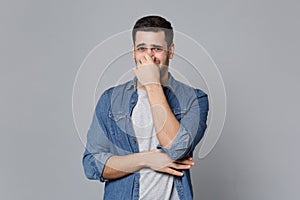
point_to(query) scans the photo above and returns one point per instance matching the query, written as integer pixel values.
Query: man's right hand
(160, 161)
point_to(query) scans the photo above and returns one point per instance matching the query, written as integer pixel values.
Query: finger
(185, 161)
(143, 60)
(171, 171)
(180, 166)
(186, 158)
(148, 57)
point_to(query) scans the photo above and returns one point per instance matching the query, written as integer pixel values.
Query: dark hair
(155, 24)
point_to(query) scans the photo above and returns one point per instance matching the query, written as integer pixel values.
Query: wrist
(142, 159)
(153, 87)
(146, 158)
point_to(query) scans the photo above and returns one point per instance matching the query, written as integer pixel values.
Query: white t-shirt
(153, 185)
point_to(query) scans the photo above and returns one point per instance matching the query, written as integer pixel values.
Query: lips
(156, 61)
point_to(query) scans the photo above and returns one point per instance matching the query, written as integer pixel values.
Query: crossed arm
(119, 166)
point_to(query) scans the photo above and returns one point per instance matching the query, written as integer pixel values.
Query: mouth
(156, 61)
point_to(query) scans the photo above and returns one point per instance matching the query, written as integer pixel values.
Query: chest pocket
(118, 125)
(179, 113)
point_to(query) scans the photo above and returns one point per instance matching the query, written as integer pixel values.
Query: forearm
(119, 166)
(166, 124)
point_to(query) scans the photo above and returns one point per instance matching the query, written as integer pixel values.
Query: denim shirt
(111, 133)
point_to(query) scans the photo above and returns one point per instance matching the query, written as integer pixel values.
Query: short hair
(154, 24)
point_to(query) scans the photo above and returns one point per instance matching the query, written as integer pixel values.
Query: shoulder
(187, 95)
(187, 90)
(115, 89)
(111, 95)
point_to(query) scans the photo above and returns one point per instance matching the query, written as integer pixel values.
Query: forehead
(150, 38)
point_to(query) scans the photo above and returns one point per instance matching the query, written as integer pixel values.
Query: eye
(157, 49)
(141, 49)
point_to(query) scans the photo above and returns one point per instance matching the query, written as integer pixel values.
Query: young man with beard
(144, 131)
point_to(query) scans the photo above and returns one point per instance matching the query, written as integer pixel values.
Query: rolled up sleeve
(191, 130)
(97, 147)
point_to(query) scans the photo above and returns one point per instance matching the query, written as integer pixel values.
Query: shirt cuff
(100, 161)
(180, 145)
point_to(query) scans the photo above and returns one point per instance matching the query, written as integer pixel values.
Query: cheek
(161, 56)
(138, 56)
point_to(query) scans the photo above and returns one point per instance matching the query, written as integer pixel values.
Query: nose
(150, 52)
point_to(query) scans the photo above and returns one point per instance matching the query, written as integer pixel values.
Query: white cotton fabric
(153, 185)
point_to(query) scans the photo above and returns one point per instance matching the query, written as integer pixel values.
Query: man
(143, 132)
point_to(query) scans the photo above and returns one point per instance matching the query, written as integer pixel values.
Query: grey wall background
(254, 43)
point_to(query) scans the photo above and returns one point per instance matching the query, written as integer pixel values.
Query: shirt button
(136, 185)
(134, 141)
(132, 101)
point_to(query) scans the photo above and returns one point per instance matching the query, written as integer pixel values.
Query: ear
(133, 56)
(171, 51)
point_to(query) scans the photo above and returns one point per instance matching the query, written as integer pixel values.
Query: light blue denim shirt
(111, 133)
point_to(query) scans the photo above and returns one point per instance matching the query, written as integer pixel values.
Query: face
(153, 44)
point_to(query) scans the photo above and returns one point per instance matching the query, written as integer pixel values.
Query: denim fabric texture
(111, 133)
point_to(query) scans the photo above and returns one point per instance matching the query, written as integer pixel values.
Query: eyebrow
(153, 45)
